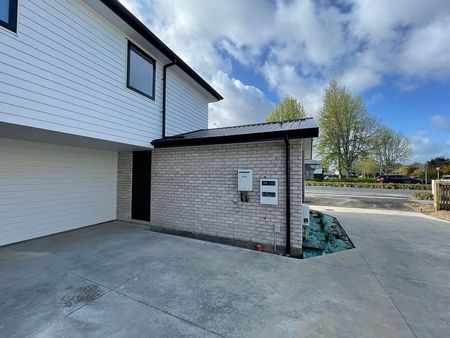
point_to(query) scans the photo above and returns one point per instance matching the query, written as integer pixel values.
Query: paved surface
(119, 280)
(409, 255)
(360, 198)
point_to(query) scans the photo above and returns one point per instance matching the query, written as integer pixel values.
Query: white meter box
(245, 180)
(268, 191)
(305, 214)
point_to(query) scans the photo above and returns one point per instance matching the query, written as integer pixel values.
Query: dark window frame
(12, 18)
(144, 55)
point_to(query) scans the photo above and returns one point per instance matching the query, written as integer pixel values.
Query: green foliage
(414, 169)
(354, 184)
(289, 109)
(356, 180)
(315, 179)
(423, 195)
(442, 162)
(418, 173)
(346, 129)
(344, 179)
(439, 161)
(406, 170)
(367, 167)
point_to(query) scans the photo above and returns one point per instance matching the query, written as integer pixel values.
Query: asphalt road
(359, 198)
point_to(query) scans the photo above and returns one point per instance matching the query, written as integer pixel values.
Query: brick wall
(194, 189)
(124, 176)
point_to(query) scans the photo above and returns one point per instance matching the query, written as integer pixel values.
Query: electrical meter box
(305, 214)
(268, 191)
(245, 180)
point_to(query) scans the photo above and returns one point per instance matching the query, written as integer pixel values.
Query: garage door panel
(51, 221)
(46, 188)
(31, 195)
(58, 211)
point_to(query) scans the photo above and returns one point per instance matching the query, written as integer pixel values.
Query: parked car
(445, 177)
(394, 179)
(416, 180)
(330, 177)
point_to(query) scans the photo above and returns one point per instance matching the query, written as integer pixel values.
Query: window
(8, 14)
(141, 71)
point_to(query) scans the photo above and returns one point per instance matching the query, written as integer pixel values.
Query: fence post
(437, 196)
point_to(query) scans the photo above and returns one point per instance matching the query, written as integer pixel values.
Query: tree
(346, 129)
(439, 161)
(418, 173)
(442, 162)
(366, 167)
(406, 170)
(390, 148)
(289, 109)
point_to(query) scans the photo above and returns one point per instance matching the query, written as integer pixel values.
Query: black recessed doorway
(141, 185)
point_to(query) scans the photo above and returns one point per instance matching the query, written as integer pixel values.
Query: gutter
(288, 196)
(164, 99)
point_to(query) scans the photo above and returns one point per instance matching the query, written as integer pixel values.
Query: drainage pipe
(165, 96)
(288, 196)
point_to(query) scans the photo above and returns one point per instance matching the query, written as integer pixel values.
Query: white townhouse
(85, 88)
(79, 82)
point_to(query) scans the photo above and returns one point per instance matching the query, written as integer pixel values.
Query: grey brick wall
(124, 176)
(195, 189)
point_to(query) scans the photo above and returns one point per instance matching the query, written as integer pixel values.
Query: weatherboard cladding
(138, 26)
(66, 71)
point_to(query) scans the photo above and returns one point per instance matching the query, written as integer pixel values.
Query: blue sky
(394, 53)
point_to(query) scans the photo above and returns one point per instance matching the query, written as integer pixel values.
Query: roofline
(256, 124)
(243, 138)
(121, 11)
(181, 136)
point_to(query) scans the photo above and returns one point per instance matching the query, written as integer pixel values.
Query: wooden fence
(441, 195)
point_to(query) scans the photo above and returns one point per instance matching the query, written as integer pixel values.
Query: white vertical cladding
(186, 108)
(65, 71)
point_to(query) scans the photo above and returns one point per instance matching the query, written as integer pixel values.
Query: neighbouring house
(100, 120)
(313, 169)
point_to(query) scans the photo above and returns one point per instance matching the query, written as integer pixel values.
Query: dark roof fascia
(244, 138)
(138, 26)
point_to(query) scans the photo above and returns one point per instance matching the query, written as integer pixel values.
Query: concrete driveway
(360, 197)
(119, 280)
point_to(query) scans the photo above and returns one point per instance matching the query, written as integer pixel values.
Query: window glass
(140, 73)
(4, 10)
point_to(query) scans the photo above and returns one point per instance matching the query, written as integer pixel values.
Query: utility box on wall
(305, 214)
(245, 180)
(268, 191)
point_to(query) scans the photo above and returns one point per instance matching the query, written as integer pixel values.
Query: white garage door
(46, 188)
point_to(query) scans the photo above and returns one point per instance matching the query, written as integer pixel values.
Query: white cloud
(425, 147)
(426, 52)
(360, 78)
(441, 123)
(373, 99)
(299, 46)
(242, 103)
(286, 80)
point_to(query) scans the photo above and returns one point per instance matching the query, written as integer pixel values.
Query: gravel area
(428, 209)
